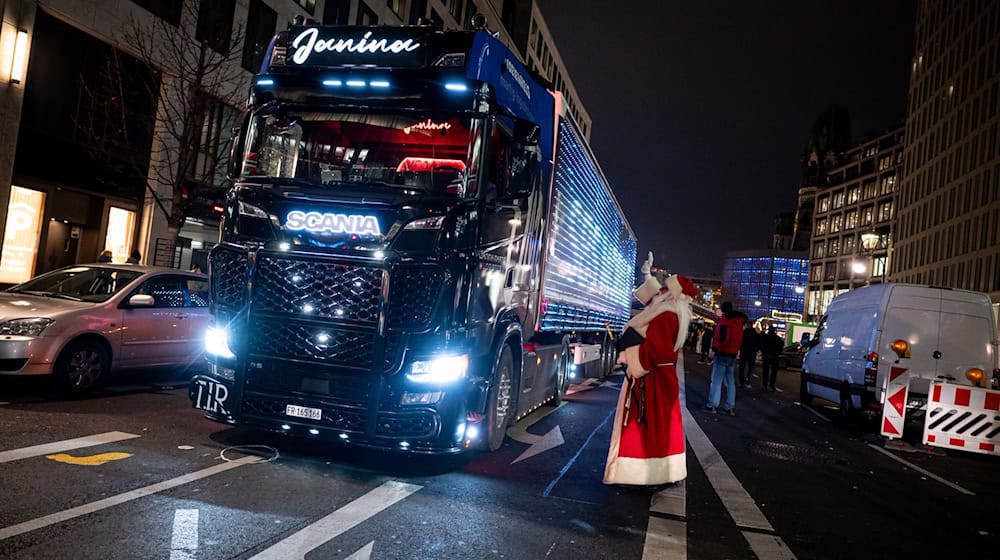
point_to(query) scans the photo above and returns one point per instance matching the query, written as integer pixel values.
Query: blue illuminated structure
(776, 279)
(589, 268)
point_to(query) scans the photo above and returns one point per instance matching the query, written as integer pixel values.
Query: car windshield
(79, 283)
(426, 153)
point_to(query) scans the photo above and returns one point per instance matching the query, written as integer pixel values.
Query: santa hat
(681, 285)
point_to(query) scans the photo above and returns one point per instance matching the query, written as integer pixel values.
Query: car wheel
(804, 396)
(562, 374)
(782, 363)
(81, 366)
(501, 399)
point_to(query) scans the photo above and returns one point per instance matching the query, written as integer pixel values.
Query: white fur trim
(662, 303)
(647, 291)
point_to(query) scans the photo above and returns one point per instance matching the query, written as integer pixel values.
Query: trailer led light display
(591, 249)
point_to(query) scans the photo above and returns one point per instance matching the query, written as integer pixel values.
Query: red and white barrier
(894, 409)
(963, 417)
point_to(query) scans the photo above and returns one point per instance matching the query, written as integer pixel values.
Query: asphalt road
(778, 480)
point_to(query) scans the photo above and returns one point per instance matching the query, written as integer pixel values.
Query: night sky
(702, 110)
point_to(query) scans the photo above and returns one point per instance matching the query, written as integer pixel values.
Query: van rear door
(912, 314)
(966, 335)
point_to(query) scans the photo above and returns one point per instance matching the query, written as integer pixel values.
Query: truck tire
(500, 399)
(804, 396)
(608, 357)
(562, 373)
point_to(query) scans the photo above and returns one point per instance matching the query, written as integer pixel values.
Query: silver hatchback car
(80, 322)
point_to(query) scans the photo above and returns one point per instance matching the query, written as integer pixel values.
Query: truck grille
(318, 289)
(349, 349)
(413, 295)
(407, 425)
(228, 278)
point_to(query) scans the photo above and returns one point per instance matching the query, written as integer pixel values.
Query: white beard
(662, 303)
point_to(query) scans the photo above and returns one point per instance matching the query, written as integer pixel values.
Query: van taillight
(871, 369)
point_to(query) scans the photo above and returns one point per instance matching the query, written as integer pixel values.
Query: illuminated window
(867, 215)
(852, 220)
(838, 200)
(854, 195)
(879, 266)
(836, 223)
(824, 204)
(821, 227)
(121, 227)
(20, 239)
(307, 5)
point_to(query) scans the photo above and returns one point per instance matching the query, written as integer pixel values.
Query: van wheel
(804, 396)
(81, 366)
(500, 403)
(846, 403)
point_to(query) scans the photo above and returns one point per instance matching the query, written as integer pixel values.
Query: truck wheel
(500, 400)
(608, 357)
(81, 366)
(562, 374)
(804, 396)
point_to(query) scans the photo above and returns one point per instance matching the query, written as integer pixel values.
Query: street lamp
(858, 267)
(800, 290)
(756, 303)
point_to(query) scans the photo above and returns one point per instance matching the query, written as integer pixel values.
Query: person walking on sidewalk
(770, 350)
(726, 344)
(748, 354)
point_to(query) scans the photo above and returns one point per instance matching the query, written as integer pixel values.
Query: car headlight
(439, 370)
(217, 342)
(25, 327)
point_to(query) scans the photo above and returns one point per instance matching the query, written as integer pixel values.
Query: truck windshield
(427, 153)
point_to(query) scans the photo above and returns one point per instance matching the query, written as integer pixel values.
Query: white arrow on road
(539, 444)
(611, 385)
(364, 553)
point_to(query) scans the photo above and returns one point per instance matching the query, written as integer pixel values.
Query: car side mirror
(527, 132)
(141, 300)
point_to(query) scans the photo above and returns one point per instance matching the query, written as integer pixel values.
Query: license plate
(303, 412)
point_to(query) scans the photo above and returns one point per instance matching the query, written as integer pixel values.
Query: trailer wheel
(562, 373)
(500, 399)
(804, 396)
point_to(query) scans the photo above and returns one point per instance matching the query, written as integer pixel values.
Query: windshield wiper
(60, 296)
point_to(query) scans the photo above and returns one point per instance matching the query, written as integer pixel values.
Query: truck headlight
(217, 342)
(445, 369)
(25, 327)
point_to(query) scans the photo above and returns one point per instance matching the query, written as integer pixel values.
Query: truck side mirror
(523, 171)
(236, 146)
(527, 132)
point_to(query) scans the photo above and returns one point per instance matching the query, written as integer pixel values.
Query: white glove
(647, 266)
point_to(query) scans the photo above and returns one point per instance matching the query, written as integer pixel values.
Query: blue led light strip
(591, 255)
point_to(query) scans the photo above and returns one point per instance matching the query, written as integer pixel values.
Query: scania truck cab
(380, 275)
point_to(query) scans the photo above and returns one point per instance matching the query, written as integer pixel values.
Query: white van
(936, 333)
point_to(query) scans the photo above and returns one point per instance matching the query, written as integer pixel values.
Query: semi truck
(419, 247)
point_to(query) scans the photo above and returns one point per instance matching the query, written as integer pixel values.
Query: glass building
(766, 283)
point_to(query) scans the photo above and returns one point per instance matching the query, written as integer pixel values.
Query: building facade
(949, 198)
(76, 178)
(766, 284)
(854, 221)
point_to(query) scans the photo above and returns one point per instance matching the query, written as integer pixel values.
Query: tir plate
(303, 412)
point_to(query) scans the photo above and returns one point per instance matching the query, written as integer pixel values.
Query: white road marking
(541, 444)
(737, 500)
(65, 515)
(65, 445)
(670, 501)
(814, 411)
(184, 539)
(766, 546)
(924, 472)
(301, 543)
(565, 469)
(666, 539)
(364, 553)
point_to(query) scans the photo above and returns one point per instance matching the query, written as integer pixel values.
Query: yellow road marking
(90, 461)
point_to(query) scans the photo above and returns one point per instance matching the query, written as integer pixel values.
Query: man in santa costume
(647, 441)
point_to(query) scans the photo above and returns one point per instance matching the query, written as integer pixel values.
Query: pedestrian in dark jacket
(748, 354)
(706, 344)
(771, 347)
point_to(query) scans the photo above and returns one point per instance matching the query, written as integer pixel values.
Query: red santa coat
(650, 452)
